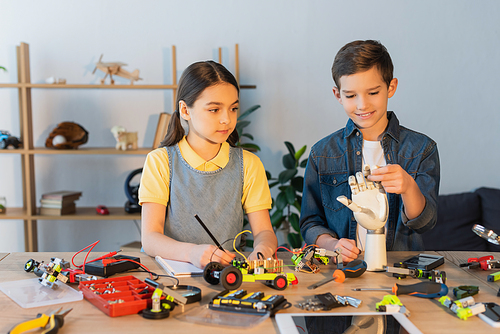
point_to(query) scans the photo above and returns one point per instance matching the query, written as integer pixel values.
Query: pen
(209, 233)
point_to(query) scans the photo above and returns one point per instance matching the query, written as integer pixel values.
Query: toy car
(270, 271)
(102, 210)
(6, 140)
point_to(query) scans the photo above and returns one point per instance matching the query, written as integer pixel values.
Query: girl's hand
(201, 255)
(394, 179)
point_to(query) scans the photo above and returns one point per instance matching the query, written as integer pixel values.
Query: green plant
(286, 206)
(3, 68)
(241, 125)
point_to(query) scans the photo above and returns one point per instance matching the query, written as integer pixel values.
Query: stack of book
(59, 203)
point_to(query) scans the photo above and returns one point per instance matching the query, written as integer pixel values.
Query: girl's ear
(183, 110)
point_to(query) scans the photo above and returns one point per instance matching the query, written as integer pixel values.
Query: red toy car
(102, 210)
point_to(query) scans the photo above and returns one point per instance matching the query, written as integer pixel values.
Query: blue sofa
(457, 213)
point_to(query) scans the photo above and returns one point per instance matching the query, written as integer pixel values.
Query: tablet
(370, 322)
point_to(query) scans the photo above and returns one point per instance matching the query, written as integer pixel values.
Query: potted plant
(285, 211)
(241, 125)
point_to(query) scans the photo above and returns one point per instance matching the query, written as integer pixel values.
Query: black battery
(96, 268)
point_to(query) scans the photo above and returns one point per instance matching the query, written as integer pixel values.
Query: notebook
(178, 268)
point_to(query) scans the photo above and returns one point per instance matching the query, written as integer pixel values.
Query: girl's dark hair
(194, 80)
(360, 56)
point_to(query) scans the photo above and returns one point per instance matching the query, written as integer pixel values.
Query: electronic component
(327, 301)
(111, 266)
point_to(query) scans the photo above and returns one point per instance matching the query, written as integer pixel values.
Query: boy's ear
(336, 92)
(183, 110)
(392, 87)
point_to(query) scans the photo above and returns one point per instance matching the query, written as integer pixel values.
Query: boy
(363, 75)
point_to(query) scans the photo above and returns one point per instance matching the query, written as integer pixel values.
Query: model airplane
(115, 68)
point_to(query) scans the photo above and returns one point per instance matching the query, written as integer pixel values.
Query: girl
(203, 173)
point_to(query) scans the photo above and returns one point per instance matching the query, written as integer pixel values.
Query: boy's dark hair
(194, 80)
(360, 56)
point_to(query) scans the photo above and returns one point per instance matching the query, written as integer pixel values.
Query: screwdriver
(423, 289)
(353, 269)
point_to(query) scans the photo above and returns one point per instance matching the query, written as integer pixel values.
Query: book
(63, 195)
(161, 128)
(178, 268)
(50, 203)
(58, 212)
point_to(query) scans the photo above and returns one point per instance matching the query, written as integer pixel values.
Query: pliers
(53, 322)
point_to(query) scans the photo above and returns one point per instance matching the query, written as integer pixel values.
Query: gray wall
(446, 56)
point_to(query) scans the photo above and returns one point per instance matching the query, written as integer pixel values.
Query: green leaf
(289, 161)
(273, 184)
(296, 204)
(3, 68)
(290, 195)
(281, 201)
(247, 135)
(268, 175)
(277, 218)
(294, 221)
(248, 111)
(242, 124)
(300, 152)
(295, 240)
(303, 164)
(250, 146)
(286, 175)
(290, 148)
(298, 183)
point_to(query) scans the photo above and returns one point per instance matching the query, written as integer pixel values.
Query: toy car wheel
(3, 144)
(280, 283)
(209, 272)
(231, 278)
(29, 266)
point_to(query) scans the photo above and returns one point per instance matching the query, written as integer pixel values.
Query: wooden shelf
(82, 213)
(80, 150)
(14, 213)
(89, 213)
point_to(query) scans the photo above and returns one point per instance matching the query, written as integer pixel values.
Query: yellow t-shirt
(156, 175)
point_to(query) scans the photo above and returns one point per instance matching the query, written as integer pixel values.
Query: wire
(234, 243)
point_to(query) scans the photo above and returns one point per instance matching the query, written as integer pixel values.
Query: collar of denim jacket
(392, 127)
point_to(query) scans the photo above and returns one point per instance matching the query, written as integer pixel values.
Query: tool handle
(38, 322)
(354, 268)
(423, 290)
(55, 322)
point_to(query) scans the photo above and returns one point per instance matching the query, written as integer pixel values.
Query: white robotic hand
(369, 201)
(371, 210)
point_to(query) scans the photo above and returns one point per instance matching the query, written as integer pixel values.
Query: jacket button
(334, 181)
(357, 134)
(358, 152)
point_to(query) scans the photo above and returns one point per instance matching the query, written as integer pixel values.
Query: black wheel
(280, 283)
(30, 265)
(212, 272)
(231, 278)
(3, 144)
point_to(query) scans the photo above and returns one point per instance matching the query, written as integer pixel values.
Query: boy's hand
(349, 250)
(393, 178)
(369, 200)
(201, 255)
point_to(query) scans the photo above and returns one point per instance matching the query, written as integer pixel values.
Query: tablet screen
(333, 323)
(347, 324)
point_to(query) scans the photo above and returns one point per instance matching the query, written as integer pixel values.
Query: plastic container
(118, 296)
(30, 293)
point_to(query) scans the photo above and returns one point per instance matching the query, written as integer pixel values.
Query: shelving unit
(29, 212)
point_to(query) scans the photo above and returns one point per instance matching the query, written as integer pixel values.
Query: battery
(96, 268)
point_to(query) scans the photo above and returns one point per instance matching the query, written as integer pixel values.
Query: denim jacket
(334, 158)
